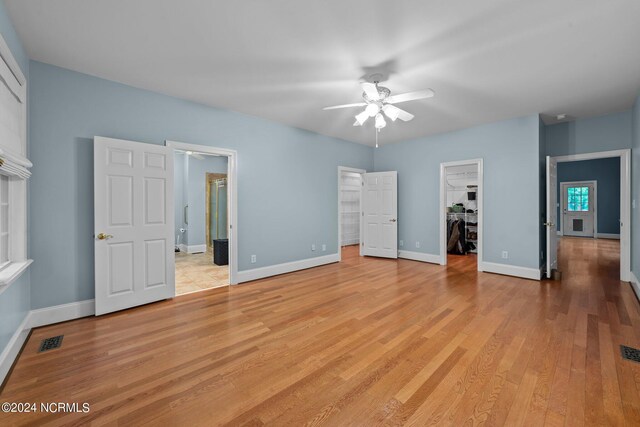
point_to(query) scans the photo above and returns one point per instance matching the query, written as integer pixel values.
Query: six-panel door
(133, 202)
(380, 208)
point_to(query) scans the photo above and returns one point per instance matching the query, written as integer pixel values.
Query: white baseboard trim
(608, 236)
(635, 285)
(60, 313)
(41, 317)
(13, 347)
(288, 267)
(511, 270)
(194, 249)
(419, 256)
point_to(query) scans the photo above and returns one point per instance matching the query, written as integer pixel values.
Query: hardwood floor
(363, 342)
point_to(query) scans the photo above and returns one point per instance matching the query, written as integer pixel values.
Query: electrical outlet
(505, 255)
(253, 259)
(313, 247)
(324, 248)
(417, 244)
(401, 243)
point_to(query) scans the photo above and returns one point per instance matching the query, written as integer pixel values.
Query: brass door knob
(103, 236)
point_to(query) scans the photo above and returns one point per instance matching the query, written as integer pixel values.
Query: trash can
(221, 251)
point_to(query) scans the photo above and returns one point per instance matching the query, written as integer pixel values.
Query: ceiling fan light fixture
(361, 118)
(391, 112)
(372, 109)
(380, 121)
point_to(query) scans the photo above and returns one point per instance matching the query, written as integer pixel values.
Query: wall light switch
(324, 248)
(633, 203)
(401, 242)
(313, 247)
(253, 259)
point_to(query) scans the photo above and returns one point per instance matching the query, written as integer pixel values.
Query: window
(578, 199)
(4, 221)
(14, 169)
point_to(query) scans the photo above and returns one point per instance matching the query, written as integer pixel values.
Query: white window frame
(16, 167)
(5, 264)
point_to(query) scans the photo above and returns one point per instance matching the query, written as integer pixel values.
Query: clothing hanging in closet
(456, 237)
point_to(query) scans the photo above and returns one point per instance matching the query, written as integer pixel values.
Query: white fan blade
(357, 104)
(394, 113)
(410, 96)
(405, 116)
(371, 90)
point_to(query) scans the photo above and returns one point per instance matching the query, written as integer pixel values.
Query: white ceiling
(286, 59)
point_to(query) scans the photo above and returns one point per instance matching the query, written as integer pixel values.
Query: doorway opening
(588, 198)
(461, 214)
(203, 204)
(349, 211)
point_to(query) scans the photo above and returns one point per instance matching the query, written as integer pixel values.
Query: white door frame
(595, 203)
(340, 170)
(443, 207)
(232, 196)
(625, 201)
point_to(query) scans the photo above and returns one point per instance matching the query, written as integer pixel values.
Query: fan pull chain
(377, 132)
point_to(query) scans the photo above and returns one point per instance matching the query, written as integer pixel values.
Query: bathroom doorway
(201, 220)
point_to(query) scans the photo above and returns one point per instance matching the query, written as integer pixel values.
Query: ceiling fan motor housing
(382, 91)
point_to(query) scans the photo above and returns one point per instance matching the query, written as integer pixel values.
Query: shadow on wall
(84, 223)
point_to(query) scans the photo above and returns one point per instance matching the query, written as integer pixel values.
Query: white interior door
(578, 209)
(552, 215)
(134, 242)
(380, 214)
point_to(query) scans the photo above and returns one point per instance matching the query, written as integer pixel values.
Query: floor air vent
(50, 343)
(630, 353)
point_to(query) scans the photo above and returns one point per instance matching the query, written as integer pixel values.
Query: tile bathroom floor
(197, 272)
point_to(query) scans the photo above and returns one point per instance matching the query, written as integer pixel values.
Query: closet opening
(349, 211)
(461, 214)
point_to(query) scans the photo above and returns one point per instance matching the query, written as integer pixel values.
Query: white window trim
(16, 166)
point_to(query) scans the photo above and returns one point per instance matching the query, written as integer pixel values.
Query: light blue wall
(603, 133)
(14, 306)
(635, 189)
(607, 173)
(197, 195)
(510, 150)
(68, 109)
(14, 301)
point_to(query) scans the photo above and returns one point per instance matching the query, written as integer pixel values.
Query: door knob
(393, 220)
(103, 236)
(549, 224)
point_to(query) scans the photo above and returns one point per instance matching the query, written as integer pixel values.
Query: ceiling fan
(378, 100)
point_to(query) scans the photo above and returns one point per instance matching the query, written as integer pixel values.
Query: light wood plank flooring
(363, 342)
